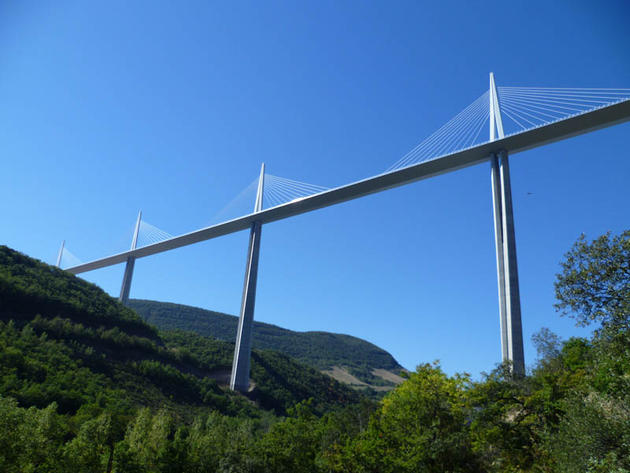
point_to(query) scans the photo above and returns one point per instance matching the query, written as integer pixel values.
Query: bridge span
(585, 110)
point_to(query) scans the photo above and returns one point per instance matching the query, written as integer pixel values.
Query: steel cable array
(531, 107)
(461, 132)
(279, 190)
(242, 204)
(149, 234)
(68, 259)
(524, 108)
(276, 191)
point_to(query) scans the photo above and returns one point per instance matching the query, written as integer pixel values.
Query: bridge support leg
(131, 261)
(507, 270)
(126, 284)
(60, 255)
(239, 381)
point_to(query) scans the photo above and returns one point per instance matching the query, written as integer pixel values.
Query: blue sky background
(170, 107)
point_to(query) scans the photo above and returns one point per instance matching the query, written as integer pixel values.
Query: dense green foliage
(594, 285)
(571, 413)
(28, 287)
(321, 350)
(64, 340)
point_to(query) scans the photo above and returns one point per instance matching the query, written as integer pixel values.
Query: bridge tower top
(134, 240)
(60, 255)
(259, 194)
(496, 122)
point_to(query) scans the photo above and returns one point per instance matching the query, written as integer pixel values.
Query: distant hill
(65, 340)
(346, 358)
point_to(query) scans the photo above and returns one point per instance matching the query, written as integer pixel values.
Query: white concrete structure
(496, 150)
(239, 380)
(131, 262)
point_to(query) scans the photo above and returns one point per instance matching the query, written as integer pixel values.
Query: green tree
(594, 435)
(30, 439)
(292, 446)
(91, 450)
(422, 426)
(219, 443)
(147, 446)
(594, 285)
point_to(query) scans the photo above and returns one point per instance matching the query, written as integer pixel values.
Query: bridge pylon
(507, 268)
(239, 379)
(131, 261)
(60, 255)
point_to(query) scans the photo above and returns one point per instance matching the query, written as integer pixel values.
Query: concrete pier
(60, 254)
(505, 240)
(507, 267)
(239, 380)
(497, 204)
(131, 261)
(512, 291)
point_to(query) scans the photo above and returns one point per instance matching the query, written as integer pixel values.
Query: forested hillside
(67, 341)
(67, 404)
(322, 350)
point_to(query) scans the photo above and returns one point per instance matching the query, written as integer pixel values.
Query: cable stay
(68, 259)
(149, 234)
(239, 205)
(461, 132)
(276, 191)
(532, 107)
(524, 107)
(280, 190)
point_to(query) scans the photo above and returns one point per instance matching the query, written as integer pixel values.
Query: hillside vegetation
(67, 341)
(322, 350)
(571, 413)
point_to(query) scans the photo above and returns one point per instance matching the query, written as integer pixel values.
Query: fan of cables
(276, 191)
(149, 234)
(461, 132)
(530, 107)
(279, 190)
(68, 260)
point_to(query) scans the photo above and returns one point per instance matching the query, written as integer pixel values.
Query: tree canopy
(594, 284)
(67, 403)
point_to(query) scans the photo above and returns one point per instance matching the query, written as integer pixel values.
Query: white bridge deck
(582, 123)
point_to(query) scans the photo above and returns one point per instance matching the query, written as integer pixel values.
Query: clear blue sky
(170, 107)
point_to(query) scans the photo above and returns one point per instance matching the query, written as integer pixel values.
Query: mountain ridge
(320, 349)
(65, 340)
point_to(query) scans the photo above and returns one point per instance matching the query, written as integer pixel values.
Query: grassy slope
(63, 339)
(323, 350)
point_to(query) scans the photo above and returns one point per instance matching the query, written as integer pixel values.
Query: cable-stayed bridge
(501, 122)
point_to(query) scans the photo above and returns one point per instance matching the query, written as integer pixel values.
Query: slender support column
(60, 255)
(131, 261)
(498, 239)
(512, 292)
(127, 277)
(507, 270)
(239, 380)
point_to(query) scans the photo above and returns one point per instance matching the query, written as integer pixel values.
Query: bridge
(518, 119)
